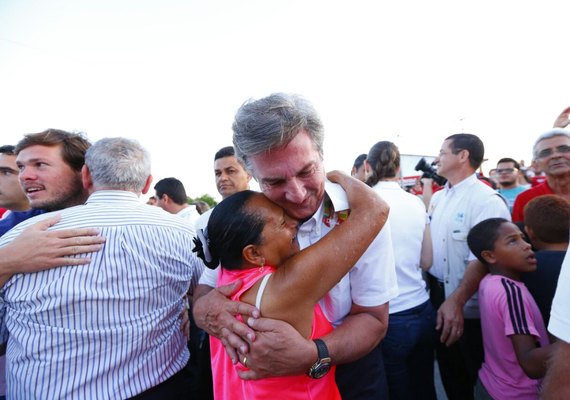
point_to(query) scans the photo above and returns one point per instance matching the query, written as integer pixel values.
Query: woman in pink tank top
(254, 240)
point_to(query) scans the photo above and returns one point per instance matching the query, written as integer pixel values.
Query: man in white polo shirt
(280, 139)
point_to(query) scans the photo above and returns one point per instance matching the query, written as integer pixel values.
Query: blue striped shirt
(110, 329)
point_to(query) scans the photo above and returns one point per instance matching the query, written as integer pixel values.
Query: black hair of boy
(482, 237)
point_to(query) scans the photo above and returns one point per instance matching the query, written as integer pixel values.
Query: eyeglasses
(550, 151)
(505, 170)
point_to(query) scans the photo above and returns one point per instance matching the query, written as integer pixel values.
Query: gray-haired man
(280, 139)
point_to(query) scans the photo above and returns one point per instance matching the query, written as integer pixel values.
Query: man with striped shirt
(110, 329)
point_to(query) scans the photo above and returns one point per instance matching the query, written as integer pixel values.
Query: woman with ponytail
(408, 347)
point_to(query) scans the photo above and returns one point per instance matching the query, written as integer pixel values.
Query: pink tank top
(227, 383)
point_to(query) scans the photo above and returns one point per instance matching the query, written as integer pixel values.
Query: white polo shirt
(408, 219)
(190, 214)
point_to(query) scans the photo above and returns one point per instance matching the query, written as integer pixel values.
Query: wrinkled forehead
(553, 141)
(284, 164)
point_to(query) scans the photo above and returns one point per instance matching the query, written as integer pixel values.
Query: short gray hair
(272, 122)
(547, 135)
(118, 164)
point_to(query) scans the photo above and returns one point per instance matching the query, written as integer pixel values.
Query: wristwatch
(323, 363)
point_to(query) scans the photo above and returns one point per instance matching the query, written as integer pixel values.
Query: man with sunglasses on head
(551, 152)
(508, 173)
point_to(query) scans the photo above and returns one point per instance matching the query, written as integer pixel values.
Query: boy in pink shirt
(514, 336)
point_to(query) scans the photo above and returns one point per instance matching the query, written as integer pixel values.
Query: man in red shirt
(551, 152)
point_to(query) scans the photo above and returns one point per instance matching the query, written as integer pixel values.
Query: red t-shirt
(526, 196)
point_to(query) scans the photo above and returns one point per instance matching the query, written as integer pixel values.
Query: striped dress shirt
(109, 329)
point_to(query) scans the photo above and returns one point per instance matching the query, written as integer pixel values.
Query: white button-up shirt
(453, 212)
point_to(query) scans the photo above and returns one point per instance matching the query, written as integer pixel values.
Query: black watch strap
(322, 349)
(323, 364)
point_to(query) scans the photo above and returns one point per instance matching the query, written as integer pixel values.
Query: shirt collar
(335, 196)
(186, 210)
(387, 185)
(465, 183)
(107, 195)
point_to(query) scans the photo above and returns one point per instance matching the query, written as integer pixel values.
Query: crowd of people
(321, 286)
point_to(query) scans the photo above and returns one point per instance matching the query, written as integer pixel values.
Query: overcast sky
(170, 72)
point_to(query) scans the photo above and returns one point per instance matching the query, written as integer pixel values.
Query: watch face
(323, 364)
(321, 371)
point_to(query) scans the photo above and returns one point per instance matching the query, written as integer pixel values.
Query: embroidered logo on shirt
(460, 217)
(332, 218)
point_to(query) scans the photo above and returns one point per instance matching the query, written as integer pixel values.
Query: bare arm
(36, 248)
(426, 255)
(450, 313)
(305, 278)
(359, 333)
(427, 191)
(556, 383)
(532, 359)
(563, 120)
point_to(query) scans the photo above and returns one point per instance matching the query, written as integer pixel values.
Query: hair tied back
(201, 246)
